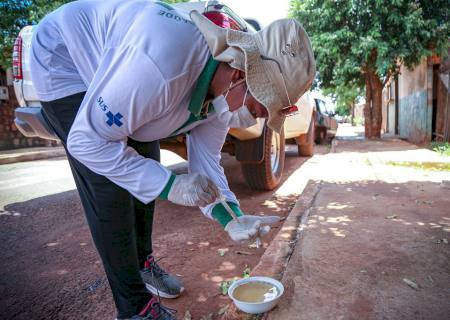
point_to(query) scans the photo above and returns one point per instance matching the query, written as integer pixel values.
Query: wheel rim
(275, 152)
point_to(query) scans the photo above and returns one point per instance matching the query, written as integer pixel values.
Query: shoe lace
(151, 265)
(154, 310)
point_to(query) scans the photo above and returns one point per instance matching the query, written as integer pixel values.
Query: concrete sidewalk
(30, 154)
(375, 241)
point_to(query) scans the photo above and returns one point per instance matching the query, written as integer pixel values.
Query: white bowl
(256, 307)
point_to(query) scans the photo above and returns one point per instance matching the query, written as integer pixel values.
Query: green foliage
(351, 37)
(14, 15)
(345, 96)
(358, 121)
(40, 8)
(246, 273)
(430, 166)
(224, 285)
(441, 147)
(343, 110)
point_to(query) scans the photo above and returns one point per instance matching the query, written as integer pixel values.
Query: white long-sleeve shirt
(138, 63)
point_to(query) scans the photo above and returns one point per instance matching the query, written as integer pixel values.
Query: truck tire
(266, 175)
(305, 142)
(321, 134)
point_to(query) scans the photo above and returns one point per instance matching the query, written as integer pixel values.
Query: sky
(265, 11)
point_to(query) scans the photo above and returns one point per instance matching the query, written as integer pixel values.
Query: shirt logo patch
(114, 119)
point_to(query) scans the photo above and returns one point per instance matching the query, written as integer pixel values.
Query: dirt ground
(51, 270)
(376, 241)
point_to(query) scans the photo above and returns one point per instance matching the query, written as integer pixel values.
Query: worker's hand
(249, 227)
(192, 190)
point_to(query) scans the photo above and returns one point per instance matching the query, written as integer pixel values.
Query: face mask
(241, 118)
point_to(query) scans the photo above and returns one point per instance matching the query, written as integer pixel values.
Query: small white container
(256, 307)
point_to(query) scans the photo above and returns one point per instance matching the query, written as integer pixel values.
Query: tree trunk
(353, 113)
(372, 109)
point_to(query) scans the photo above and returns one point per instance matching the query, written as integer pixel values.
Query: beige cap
(278, 61)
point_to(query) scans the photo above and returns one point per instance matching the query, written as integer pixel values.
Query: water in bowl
(255, 292)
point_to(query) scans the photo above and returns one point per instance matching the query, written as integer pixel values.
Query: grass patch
(442, 148)
(429, 166)
(358, 121)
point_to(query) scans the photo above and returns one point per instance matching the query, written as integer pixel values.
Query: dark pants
(121, 225)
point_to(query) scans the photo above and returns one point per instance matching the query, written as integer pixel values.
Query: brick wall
(10, 137)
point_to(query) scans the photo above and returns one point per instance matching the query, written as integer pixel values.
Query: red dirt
(375, 243)
(51, 270)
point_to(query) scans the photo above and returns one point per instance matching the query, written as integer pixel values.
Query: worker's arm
(204, 153)
(126, 92)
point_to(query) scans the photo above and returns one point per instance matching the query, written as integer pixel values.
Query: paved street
(24, 181)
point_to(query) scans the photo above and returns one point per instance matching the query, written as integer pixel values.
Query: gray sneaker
(153, 310)
(159, 282)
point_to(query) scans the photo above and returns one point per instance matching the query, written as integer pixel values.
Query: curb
(32, 155)
(275, 259)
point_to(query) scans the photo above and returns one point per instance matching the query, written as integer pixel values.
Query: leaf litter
(411, 283)
(394, 216)
(225, 285)
(187, 315)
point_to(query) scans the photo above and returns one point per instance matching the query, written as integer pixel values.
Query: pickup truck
(260, 151)
(326, 123)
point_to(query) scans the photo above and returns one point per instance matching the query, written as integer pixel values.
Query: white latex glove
(249, 227)
(192, 190)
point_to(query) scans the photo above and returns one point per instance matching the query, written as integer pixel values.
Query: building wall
(415, 112)
(391, 117)
(359, 111)
(443, 107)
(10, 136)
(384, 110)
(388, 108)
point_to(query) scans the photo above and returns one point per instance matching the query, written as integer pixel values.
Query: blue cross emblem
(114, 119)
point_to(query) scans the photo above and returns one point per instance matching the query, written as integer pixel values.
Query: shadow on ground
(372, 250)
(48, 261)
(51, 270)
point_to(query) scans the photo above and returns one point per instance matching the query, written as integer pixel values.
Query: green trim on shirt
(165, 5)
(165, 193)
(221, 214)
(201, 89)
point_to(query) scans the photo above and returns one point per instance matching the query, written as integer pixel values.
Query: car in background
(326, 123)
(260, 151)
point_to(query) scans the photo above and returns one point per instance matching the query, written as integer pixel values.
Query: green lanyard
(199, 94)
